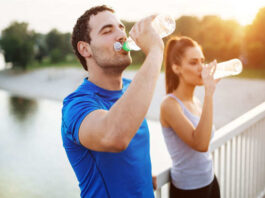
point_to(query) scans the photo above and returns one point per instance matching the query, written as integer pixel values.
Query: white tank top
(190, 169)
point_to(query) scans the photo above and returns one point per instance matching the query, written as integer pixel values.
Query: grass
(37, 65)
(252, 74)
(133, 67)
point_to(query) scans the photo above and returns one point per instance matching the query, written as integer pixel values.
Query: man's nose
(121, 35)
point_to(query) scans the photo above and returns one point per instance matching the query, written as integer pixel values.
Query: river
(33, 162)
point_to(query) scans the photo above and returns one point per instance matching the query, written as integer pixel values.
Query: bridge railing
(238, 151)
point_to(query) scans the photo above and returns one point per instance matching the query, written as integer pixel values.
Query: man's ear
(84, 49)
(176, 69)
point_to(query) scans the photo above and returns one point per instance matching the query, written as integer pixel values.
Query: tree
(255, 41)
(41, 50)
(220, 39)
(137, 56)
(18, 44)
(188, 26)
(58, 45)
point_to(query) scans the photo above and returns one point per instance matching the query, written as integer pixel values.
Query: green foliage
(137, 56)
(41, 50)
(256, 54)
(188, 26)
(220, 39)
(56, 55)
(58, 45)
(18, 44)
(226, 39)
(128, 25)
(255, 41)
(252, 73)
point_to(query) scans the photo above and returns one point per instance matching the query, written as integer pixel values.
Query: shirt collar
(109, 94)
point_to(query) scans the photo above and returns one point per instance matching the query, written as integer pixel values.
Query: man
(104, 132)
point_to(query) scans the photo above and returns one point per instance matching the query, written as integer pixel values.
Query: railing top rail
(237, 126)
(224, 134)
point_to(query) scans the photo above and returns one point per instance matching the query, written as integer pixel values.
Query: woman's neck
(184, 92)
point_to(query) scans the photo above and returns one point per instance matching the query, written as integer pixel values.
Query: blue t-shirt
(126, 174)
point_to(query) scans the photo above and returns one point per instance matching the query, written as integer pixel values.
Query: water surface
(33, 162)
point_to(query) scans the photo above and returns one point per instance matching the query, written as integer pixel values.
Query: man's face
(106, 29)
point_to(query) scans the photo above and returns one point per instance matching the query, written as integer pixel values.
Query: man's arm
(113, 130)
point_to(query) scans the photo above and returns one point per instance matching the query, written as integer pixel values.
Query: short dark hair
(81, 31)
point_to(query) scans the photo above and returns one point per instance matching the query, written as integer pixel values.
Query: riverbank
(233, 96)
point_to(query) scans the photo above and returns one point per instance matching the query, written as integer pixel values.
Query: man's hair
(81, 31)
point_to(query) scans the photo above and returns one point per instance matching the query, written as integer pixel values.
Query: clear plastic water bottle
(164, 25)
(228, 68)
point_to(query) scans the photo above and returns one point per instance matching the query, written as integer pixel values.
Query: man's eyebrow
(104, 27)
(110, 26)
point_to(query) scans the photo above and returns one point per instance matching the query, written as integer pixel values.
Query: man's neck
(106, 81)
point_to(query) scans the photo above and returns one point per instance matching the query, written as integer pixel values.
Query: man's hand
(145, 36)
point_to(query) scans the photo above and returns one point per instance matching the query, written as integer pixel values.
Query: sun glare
(246, 11)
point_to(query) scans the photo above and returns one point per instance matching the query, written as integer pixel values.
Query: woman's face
(191, 66)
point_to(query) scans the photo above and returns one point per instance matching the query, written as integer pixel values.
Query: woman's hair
(174, 52)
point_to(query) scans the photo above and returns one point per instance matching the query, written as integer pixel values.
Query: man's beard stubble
(114, 65)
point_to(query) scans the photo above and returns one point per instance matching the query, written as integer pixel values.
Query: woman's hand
(154, 181)
(207, 75)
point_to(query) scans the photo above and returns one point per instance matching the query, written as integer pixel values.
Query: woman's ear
(84, 49)
(176, 69)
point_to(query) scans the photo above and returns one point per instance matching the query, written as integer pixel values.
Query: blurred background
(38, 69)
(36, 33)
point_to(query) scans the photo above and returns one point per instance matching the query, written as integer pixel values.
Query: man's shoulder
(81, 93)
(77, 97)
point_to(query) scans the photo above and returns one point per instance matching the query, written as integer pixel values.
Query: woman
(187, 126)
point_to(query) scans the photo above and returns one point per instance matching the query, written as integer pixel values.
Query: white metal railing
(238, 151)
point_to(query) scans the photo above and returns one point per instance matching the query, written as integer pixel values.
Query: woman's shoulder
(170, 104)
(170, 111)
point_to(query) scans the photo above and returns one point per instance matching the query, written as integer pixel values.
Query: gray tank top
(190, 169)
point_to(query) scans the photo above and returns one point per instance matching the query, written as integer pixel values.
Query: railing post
(238, 167)
(158, 193)
(252, 185)
(238, 152)
(247, 170)
(243, 157)
(234, 167)
(230, 172)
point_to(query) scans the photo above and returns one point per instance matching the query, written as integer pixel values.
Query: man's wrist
(156, 52)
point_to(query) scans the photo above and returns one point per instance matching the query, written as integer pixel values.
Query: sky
(43, 15)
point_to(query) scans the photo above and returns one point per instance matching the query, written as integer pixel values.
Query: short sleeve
(73, 114)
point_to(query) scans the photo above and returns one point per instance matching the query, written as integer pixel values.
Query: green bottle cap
(126, 47)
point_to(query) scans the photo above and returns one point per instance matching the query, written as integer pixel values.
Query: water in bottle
(228, 68)
(164, 25)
